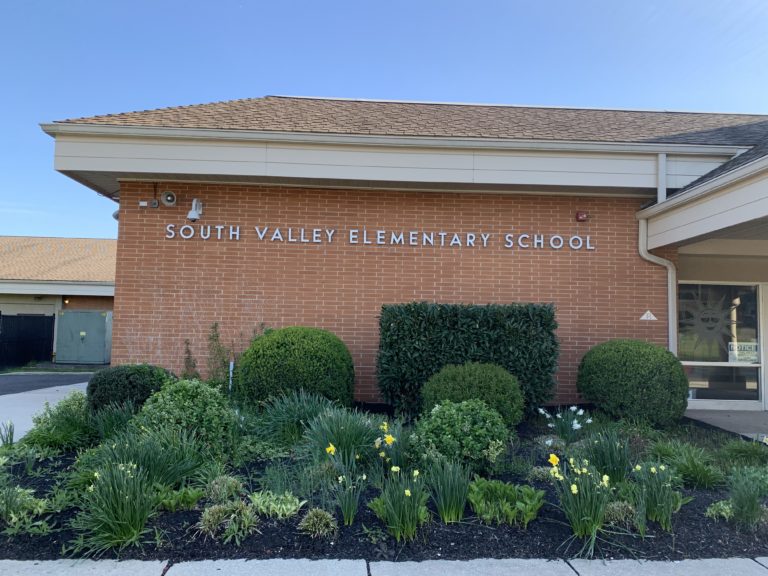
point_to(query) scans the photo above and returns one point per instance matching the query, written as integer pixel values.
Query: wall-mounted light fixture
(197, 210)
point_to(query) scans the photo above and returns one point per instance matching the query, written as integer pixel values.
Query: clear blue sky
(62, 59)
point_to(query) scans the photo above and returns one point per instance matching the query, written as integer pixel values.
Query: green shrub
(194, 407)
(183, 499)
(286, 416)
(296, 358)
(64, 425)
(634, 379)
(469, 432)
(114, 510)
(128, 383)
(499, 502)
(317, 523)
(418, 339)
(223, 488)
(487, 382)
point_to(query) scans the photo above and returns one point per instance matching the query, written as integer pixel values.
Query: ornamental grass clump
(609, 452)
(748, 488)
(402, 504)
(448, 483)
(694, 465)
(318, 523)
(114, 510)
(584, 495)
(567, 424)
(737, 453)
(656, 493)
(223, 488)
(286, 417)
(499, 502)
(232, 521)
(350, 434)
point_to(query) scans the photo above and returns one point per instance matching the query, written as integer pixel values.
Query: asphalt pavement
(17, 382)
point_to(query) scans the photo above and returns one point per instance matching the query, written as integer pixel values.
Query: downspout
(671, 283)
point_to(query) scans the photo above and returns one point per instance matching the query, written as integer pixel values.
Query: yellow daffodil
(357, 456)
(384, 427)
(364, 477)
(341, 479)
(415, 473)
(389, 439)
(638, 468)
(407, 493)
(662, 467)
(553, 459)
(606, 479)
(653, 469)
(395, 468)
(584, 470)
(570, 461)
(330, 449)
(382, 454)
(574, 489)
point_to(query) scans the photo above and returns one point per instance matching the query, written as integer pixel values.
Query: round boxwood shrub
(469, 432)
(634, 379)
(128, 383)
(490, 383)
(191, 406)
(295, 358)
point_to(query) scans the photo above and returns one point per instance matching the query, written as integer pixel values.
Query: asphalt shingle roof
(57, 259)
(386, 118)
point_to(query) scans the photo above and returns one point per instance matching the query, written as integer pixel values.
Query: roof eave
(56, 129)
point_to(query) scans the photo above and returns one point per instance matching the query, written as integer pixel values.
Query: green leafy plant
(317, 523)
(296, 358)
(114, 510)
(620, 513)
(567, 424)
(278, 506)
(469, 432)
(232, 521)
(609, 452)
(748, 487)
(21, 512)
(218, 360)
(223, 488)
(736, 453)
(286, 417)
(490, 383)
(402, 504)
(499, 502)
(193, 407)
(694, 465)
(448, 483)
(722, 509)
(65, 425)
(634, 379)
(183, 499)
(657, 493)
(189, 372)
(583, 496)
(519, 337)
(350, 434)
(167, 457)
(112, 418)
(6, 434)
(132, 383)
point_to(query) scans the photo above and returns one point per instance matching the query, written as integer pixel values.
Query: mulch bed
(695, 536)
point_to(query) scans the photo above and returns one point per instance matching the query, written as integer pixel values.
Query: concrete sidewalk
(709, 567)
(19, 408)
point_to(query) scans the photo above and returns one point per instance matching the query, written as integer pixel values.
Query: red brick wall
(169, 290)
(88, 303)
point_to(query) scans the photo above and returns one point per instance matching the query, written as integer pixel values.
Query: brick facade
(171, 289)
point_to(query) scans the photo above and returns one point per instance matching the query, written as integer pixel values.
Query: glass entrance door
(719, 340)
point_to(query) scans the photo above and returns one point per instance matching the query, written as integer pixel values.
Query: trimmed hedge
(634, 379)
(296, 358)
(418, 339)
(490, 383)
(128, 383)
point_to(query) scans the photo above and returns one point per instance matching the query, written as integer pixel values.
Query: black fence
(25, 339)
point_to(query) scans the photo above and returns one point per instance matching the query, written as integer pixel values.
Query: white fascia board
(704, 189)
(59, 129)
(57, 288)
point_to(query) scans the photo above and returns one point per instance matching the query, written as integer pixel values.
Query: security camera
(168, 198)
(197, 210)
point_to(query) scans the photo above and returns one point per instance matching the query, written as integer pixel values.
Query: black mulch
(695, 536)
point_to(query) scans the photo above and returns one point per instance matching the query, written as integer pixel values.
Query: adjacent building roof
(388, 118)
(57, 259)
